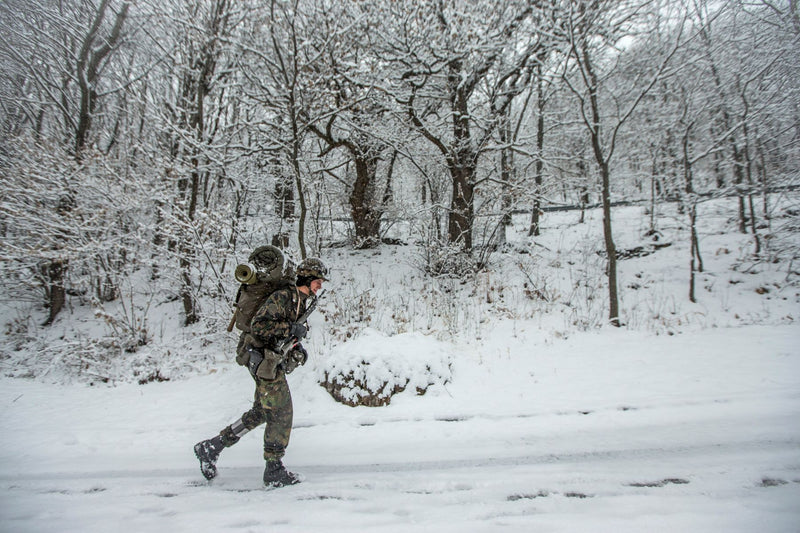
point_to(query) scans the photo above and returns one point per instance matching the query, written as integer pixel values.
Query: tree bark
(89, 58)
(537, 193)
(56, 293)
(366, 219)
(602, 162)
(462, 205)
(695, 261)
(611, 249)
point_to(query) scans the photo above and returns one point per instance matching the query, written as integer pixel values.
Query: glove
(300, 354)
(296, 357)
(297, 330)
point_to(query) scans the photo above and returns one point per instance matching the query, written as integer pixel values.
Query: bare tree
(353, 115)
(541, 102)
(55, 53)
(725, 117)
(94, 50)
(281, 68)
(201, 32)
(593, 32)
(443, 52)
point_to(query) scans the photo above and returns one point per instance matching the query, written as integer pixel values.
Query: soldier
(274, 322)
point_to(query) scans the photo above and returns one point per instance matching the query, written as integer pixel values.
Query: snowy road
(723, 467)
(667, 452)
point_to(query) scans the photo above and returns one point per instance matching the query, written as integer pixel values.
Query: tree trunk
(602, 162)
(284, 197)
(462, 163)
(692, 265)
(56, 293)
(298, 181)
(696, 260)
(762, 176)
(93, 51)
(653, 181)
(462, 205)
(584, 201)
(366, 218)
(611, 249)
(738, 180)
(187, 296)
(506, 171)
(696, 264)
(537, 193)
(748, 171)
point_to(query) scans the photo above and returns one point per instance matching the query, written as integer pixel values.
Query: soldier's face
(315, 285)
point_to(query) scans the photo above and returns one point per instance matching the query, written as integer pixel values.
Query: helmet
(267, 259)
(312, 268)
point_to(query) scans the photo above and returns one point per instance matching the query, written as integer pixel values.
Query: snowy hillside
(537, 417)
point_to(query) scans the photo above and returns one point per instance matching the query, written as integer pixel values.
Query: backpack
(266, 275)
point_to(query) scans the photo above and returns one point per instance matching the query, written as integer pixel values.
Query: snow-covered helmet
(312, 268)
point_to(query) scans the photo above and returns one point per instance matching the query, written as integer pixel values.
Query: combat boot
(207, 452)
(276, 475)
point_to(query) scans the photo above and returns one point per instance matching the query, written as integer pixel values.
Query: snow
(612, 432)
(684, 420)
(376, 364)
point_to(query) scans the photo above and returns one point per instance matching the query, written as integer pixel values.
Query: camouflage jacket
(271, 322)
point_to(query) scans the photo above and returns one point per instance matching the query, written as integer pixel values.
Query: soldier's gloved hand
(300, 354)
(296, 357)
(297, 330)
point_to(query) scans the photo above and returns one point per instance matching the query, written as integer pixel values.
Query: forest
(146, 147)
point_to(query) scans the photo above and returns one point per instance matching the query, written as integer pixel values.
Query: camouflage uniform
(274, 321)
(273, 401)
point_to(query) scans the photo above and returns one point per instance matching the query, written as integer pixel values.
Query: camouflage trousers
(272, 405)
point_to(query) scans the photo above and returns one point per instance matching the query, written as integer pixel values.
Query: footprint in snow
(661, 483)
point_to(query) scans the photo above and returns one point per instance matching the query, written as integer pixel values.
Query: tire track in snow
(773, 446)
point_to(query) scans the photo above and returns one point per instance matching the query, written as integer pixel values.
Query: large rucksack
(266, 274)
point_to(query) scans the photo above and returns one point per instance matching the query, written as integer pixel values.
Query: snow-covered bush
(448, 260)
(370, 369)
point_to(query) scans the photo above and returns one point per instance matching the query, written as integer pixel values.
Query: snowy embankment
(619, 431)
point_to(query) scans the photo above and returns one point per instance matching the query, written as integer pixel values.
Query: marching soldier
(278, 320)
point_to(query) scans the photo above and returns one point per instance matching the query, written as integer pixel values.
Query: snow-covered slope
(539, 416)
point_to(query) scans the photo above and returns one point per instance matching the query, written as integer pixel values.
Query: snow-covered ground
(612, 432)
(539, 418)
